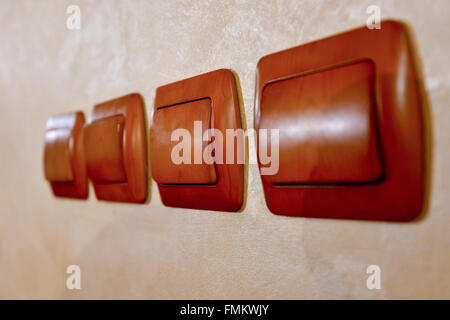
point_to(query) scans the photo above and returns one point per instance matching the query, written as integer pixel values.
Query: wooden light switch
(165, 122)
(351, 139)
(104, 150)
(64, 162)
(328, 132)
(115, 147)
(212, 99)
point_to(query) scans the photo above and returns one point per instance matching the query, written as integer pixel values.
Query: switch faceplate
(328, 133)
(174, 125)
(350, 114)
(216, 185)
(116, 147)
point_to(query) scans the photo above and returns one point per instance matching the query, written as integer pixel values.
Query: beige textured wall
(151, 251)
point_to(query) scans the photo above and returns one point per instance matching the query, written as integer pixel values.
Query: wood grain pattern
(165, 122)
(399, 196)
(116, 149)
(220, 87)
(328, 133)
(103, 143)
(57, 155)
(64, 161)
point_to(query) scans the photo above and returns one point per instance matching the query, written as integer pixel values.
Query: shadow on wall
(427, 120)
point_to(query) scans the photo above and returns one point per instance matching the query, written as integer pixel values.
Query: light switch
(58, 164)
(64, 162)
(351, 129)
(165, 122)
(103, 140)
(328, 131)
(115, 146)
(211, 98)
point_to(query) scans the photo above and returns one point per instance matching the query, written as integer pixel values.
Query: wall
(151, 251)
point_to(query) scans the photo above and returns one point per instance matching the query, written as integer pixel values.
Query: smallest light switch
(64, 162)
(178, 129)
(57, 160)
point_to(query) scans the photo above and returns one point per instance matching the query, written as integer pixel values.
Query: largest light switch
(351, 131)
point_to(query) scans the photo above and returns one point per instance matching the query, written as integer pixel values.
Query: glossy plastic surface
(64, 161)
(227, 193)
(399, 195)
(116, 148)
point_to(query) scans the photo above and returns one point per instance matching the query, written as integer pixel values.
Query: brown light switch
(165, 122)
(58, 164)
(201, 183)
(115, 146)
(328, 132)
(349, 112)
(64, 162)
(104, 150)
